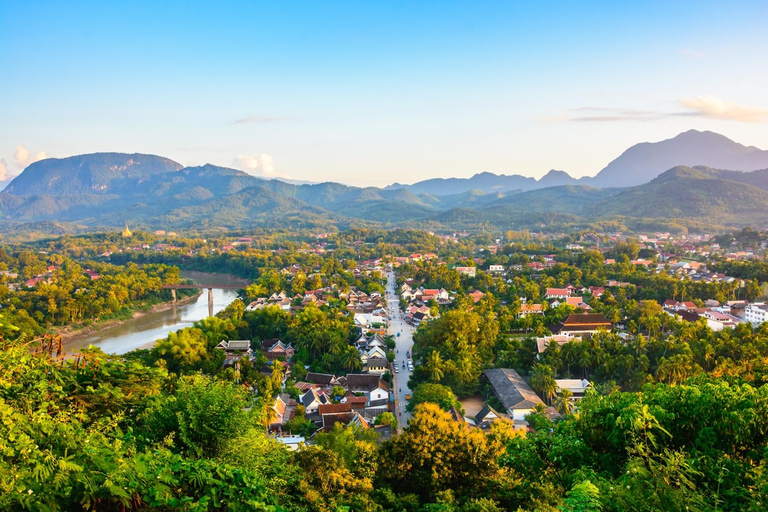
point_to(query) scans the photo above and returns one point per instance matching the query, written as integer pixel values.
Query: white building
(756, 313)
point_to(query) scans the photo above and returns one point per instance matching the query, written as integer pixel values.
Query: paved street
(404, 344)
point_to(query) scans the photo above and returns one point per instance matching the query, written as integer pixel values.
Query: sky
(371, 93)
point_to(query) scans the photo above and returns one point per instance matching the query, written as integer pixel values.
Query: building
(369, 383)
(576, 386)
(756, 313)
(235, 350)
(558, 293)
(543, 343)
(584, 325)
(513, 392)
(531, 309)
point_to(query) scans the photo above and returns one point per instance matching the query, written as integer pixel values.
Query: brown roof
(334, 408)
(586, 319)
(365, 382)
(319, 378)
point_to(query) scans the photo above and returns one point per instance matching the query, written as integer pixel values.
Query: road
(404, 344)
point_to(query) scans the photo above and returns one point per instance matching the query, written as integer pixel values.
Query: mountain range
(649, 185)
(637, 165)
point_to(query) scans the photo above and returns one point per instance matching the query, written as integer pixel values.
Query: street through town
(404, 345)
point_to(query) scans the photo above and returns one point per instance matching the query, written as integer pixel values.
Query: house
(235, 350)
(334, 408)
(92, 274)
(583, 325)
(576, 386)
(476, 296)
(276, 349)
(369, 383)
(513, 392)
(291, 442)
(373, 353)
(376, 365)
(344, 418)
(496, 269)
(323, 379)
(596, 291)
(280, 409)
(312, 400)
(467, 271)
(756, 313)
(531, 309)
(486, 416)
(542, 344)
(558, 293)
(718, 321)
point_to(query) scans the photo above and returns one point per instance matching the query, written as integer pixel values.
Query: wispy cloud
(715, 108)
(603, 114)
(257, 119)
(261, 165)
(701, 106)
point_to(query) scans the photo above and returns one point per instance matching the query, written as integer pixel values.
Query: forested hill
(111, 189)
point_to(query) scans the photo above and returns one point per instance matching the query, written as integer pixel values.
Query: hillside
(248, 207)
(98, 173)
(643, 162)
(569, 199)
(686, 192)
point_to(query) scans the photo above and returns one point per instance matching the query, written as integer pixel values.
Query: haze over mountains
(648, 181)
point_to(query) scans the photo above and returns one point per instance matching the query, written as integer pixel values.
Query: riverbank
(71, 334)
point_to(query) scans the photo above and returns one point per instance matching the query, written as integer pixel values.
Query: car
(397, 370)
(407, 396)
(407, 353)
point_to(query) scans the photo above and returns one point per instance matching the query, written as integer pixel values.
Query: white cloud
(715, 108)
(4, 174)
(24, 158)
(261, 165)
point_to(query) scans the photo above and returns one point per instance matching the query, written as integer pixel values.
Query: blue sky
(377, 92)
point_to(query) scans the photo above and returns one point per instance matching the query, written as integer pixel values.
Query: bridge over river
(209, 287)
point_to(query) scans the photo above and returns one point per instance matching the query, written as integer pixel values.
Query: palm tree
(543, 381)
(350, 359)
(563, 403)
(435, 366)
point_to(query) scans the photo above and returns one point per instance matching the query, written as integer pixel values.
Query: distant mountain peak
(642, 162)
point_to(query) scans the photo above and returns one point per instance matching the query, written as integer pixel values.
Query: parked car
(407, 396)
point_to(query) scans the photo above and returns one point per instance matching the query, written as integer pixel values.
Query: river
(132, 334)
